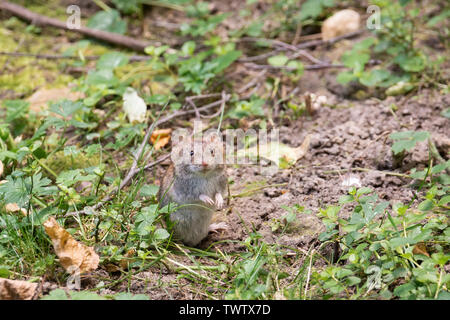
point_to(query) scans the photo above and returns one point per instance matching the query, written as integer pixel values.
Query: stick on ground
(41, 20)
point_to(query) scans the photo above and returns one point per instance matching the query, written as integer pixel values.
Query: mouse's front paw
(204, 198)
(219, 201)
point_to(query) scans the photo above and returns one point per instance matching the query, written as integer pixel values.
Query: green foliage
(60, 294)
(406, 140)
(313, 8)
(381, 246)
(108, 21)
(248, 108)
(395, 45)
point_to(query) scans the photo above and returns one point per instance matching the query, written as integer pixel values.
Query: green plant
(403, 63)
(389, 253)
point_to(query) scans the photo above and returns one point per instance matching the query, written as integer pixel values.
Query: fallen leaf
(17, 289)
(275, 151)
(340, 23)
(134, 106)
(420, 248)
(13, 207)
(1, 168)
(74, 256)
(40, 99)
(164, 138)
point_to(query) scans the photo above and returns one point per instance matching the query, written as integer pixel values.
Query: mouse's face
(199, 156)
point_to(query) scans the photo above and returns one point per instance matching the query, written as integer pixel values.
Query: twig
(253, 82)
(286, 46)
(60, 56)
(307, 67)
(315, 43)
(222, 110)
(260, 56)
(42, 20)
(389, 173)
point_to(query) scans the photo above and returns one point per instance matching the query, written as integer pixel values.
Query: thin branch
(42, 20)
(253, 82)
(285, 46)
(132, 58)
(307, 67)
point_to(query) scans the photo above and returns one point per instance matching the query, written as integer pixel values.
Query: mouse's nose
(204, 164)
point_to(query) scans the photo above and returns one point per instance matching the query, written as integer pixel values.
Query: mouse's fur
(186, 182)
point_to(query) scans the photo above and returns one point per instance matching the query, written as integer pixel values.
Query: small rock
(342, 22)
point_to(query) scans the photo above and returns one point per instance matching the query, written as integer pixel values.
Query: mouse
(196, 181)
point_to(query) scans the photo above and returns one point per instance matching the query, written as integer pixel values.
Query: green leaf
(406, 140)
(426, 205)
(15, 109)
(161, 234)
(130, 296)
(188, 48)
(404, 290)
(345, 77)
(440, 258)
(128, 6)
(374, 77)
(400, 241)
(102, 77)
(411, 63)
(443, 295)
(109, 21)
(248, 108)
(222, 62)
(85, 295)
(65, 108)
(278, 61)
(4, 271)
(112, 60)
(57, 294)
(363, 190)
(149, 190)
(444, 200)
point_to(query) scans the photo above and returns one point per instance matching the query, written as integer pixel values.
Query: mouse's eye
(212, 152)
(192, 153)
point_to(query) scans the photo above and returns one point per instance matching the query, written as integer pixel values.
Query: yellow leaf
(160, 138)
(13, 207)
(420, 248)
(74, 256)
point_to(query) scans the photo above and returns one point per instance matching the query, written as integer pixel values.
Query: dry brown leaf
(340, 23)
(13, 207)
(39, 100)
(74, 256)
(1, 168)
(17, 289)
(164, 138)
(420, 248)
